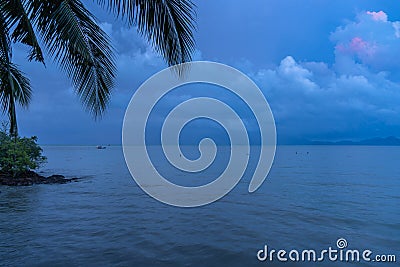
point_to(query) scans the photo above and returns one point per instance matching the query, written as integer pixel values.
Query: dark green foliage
(19, 154)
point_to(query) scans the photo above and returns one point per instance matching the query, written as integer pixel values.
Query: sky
(328, 69)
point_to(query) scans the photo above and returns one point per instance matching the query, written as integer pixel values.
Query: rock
(29, 178)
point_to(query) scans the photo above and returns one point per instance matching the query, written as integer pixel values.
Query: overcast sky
(330, 70)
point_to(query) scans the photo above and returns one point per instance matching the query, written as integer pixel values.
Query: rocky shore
(29, 178)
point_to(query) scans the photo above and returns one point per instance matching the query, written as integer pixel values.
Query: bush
(19, 154)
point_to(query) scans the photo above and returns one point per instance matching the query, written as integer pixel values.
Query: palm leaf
(16, 16)
(6, 83)
(22, 91)
(14, 88)
(5, 42)
(79, 46)
(167, 24)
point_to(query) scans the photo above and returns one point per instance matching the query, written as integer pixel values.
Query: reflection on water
(313, 196)
(22, 199)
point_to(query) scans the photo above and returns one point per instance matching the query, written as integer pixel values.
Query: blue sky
(329, 70)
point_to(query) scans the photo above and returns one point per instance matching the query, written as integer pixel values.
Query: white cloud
(378, 16)
(396, 26)
(356, 97)
(371, 40)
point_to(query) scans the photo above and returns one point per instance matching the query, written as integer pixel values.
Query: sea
(313, 197)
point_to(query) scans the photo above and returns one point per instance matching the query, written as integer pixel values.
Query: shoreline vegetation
(19, 157)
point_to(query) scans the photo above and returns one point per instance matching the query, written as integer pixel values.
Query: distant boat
(101, 147)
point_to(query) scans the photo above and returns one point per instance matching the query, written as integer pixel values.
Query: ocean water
(313, 196)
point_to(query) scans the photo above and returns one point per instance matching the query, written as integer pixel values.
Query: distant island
(377, 141)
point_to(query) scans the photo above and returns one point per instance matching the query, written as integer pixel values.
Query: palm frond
(17, 18)
(5, 42)
(22, 91)
(80, 47)
(15, 88)
(6, 83)
(167, 24)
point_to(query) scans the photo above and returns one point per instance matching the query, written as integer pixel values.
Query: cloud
(355, 97)
(372, 40)
(378, 16)
(308, 106)
(357, 46)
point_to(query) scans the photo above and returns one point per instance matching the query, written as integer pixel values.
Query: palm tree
(73, 39)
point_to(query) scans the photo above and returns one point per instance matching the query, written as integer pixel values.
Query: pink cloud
(341, 48)
(357, 46)
(378, 16)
